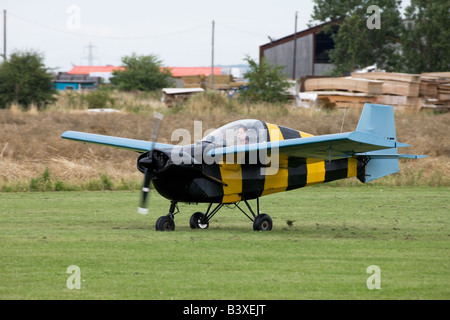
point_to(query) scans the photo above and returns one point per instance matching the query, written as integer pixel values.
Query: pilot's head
(241, 135)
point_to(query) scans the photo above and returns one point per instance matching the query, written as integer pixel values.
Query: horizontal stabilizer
(383, 162)
(373, 155)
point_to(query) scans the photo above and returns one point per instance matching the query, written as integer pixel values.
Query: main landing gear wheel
(198, 221)
(262, 222)
(165, 223)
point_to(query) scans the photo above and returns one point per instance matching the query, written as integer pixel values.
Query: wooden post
(295, 48)
(212, 57)
(4, 35)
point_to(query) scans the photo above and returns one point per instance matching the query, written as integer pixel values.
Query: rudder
(378, 120)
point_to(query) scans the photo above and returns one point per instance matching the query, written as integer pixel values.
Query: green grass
(333, 235)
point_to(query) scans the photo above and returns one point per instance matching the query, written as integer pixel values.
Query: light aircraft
(247, 159)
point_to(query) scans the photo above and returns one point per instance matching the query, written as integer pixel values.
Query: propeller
(147, 163)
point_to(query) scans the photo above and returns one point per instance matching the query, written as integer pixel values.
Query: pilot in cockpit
(241, 135)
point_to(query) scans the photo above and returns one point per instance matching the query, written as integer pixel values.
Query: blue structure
(64, 81)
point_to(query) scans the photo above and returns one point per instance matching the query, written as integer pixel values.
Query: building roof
(88, 69)
(176, 71)
(299, 34)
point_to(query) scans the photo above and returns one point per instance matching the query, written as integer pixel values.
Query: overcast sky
(178, 31)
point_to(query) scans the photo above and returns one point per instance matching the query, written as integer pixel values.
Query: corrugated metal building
(311, 52)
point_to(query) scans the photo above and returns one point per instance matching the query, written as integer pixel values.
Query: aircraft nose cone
(146, 162)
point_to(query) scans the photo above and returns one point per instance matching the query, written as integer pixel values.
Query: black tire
(197, 221)
(263, 222)
(165, 223)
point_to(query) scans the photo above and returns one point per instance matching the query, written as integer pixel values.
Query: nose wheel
(167, 223)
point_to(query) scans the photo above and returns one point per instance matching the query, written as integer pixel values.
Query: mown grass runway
(323, 241)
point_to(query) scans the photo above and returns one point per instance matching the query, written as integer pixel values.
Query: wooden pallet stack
(398, 89)
(221, 82)
(196, 81)
(344, 91)
(404, 91)
(435, 90)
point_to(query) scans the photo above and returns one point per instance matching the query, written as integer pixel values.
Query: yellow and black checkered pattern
(245, 181)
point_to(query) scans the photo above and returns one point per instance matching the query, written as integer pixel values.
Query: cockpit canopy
(239, 132)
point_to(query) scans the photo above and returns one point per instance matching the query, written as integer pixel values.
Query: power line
(80, 34)
(109, 37)
(244, 31)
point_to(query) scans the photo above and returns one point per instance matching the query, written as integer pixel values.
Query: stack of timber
(435, 90)
(196, 81)
(398, 89)
(344, 92)
(221, 82)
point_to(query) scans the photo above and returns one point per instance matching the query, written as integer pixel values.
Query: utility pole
(90, 57)
(4, 35)
(212, 57)
(295, 48)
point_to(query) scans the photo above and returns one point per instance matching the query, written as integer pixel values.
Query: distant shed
(65, 81)
(312, 47)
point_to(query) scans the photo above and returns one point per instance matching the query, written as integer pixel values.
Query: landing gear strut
(200, 220)
(261, 222)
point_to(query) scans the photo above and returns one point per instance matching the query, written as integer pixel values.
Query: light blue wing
(326, 147)
(117, 142)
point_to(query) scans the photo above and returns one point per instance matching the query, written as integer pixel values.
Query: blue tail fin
(379, 120)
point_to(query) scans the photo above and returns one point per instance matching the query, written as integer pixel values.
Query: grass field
(323, 241)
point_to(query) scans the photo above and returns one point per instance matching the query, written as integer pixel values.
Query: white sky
(178, 31)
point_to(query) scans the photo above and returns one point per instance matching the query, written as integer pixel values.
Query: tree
(25, 80)
(143, 73)
(357, 42)
(266, 83)
(426, 45)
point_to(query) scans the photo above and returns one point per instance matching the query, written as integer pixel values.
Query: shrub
(98, 99)
(25, 80)
(42, 183)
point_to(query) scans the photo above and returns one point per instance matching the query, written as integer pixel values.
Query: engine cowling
(156, 161)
